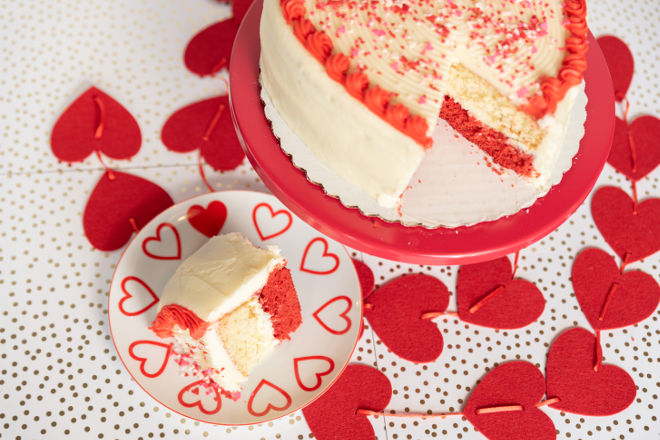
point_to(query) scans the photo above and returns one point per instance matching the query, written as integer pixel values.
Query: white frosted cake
(363, 84)
(227, 306)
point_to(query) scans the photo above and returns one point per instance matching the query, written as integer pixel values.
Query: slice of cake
(227, 306)
(364, 83)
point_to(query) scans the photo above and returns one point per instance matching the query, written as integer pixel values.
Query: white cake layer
(220, 276)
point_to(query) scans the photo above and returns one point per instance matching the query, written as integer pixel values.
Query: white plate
(298, 370)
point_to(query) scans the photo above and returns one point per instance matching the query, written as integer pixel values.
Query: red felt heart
(570, 376)
(365, 276)
(487, 295)
(206, 125)
(209, 220)
(620, 62)
(205, 397)
(161, 247)
(119, 204)
(317, 259)
(270, 223)
(160, 364)
(395, 311)
(510, 384)
(634, 298)
(306, 366)
(95, 122)
(138, 296)
(644, 132)
(209, 51)
(239, 8)
(268, 397)
(333, 315)
(635, 234)
(333, 415)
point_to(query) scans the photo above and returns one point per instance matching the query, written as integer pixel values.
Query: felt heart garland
(517, 387)
(571, 376)
(205, 125)
(365, 276)
(632, 231)
(406, 332)
(488, 295)
(334, 414)
(640, 137)
(95, 122)
(119, 205)
(619, 61)
(609, 298)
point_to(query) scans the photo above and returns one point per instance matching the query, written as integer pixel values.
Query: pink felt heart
(206, 125)
(120, 204)
(365, 276)
(513, 384)
(268, 397)
(619, 61)
(610, 299)
(644, 133)
(395, 314)
(488, 295)
(635, 234)
(209, 220)
(144, 351)
(333, 415)
(199, 394)
(209, 51)
(570, 376)
(312, 366)
(95, 122)
(138, 296)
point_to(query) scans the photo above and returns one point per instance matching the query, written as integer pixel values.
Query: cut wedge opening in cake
(227, 306)
(364, 84)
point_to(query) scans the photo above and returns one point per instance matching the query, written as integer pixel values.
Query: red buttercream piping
(319, 45)
(174, 314)
(396, 115)
(377, 100)
(302, 27)
(293, 9)
(356, 84)
(553, 89)
(336, 66)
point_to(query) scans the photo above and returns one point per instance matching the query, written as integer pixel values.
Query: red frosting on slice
(174, 314)
(490, 141)
(278, 298)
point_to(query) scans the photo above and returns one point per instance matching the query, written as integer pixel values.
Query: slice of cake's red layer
(227, 306)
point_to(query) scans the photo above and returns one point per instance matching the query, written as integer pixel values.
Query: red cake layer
(490, 141)
(278, 298)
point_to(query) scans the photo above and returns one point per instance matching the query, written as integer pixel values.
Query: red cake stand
(419, 245)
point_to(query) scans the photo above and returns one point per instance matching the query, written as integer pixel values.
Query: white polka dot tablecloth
(60, 375)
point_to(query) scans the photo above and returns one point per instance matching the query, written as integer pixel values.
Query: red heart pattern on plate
(209, 220)
(95, 122)
(317, 259)
(201, 395)
(267, 397)
(488, 295)
(395, 314)
(270, 223)
(206, 125)
(635, 234)
(644, 132)
(620, 63)
(333, 316)
(312, 366)
(138, 296)
(512, 383)
(570, 376)
(163, 248)
(633, 298)
(333, 415)
(119, 204)
(143, 352)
